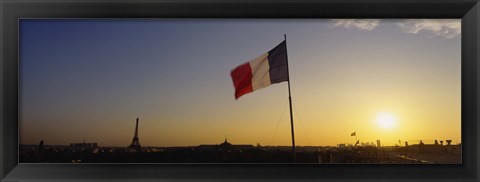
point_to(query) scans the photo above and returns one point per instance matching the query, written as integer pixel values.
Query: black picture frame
(12, 10)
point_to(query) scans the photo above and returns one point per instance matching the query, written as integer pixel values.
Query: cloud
(447, 28)
(362, 24)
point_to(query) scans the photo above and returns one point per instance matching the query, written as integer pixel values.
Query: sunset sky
(383, 79)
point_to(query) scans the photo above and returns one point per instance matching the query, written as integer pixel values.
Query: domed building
(225, 147)
(225, 144)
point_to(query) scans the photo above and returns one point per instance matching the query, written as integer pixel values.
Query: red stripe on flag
(242, 79)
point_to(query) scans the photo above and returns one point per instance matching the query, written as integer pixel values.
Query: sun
(386, 120)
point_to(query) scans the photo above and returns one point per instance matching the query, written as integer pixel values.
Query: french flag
(267, 69)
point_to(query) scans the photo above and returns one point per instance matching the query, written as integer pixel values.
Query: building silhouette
(135, 146)
(84, 147)
(225, 146)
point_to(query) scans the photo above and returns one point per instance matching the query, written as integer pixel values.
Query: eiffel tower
(135, 142)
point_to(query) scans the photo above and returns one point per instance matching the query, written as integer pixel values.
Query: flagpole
(290, 103)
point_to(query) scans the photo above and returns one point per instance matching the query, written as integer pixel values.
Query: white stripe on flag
(260, 72)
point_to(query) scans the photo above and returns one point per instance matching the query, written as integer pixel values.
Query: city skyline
(387, 80)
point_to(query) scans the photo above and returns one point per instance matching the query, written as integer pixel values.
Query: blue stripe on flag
(277, 60)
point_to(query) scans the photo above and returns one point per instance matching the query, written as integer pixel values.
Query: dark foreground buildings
(230, 153)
